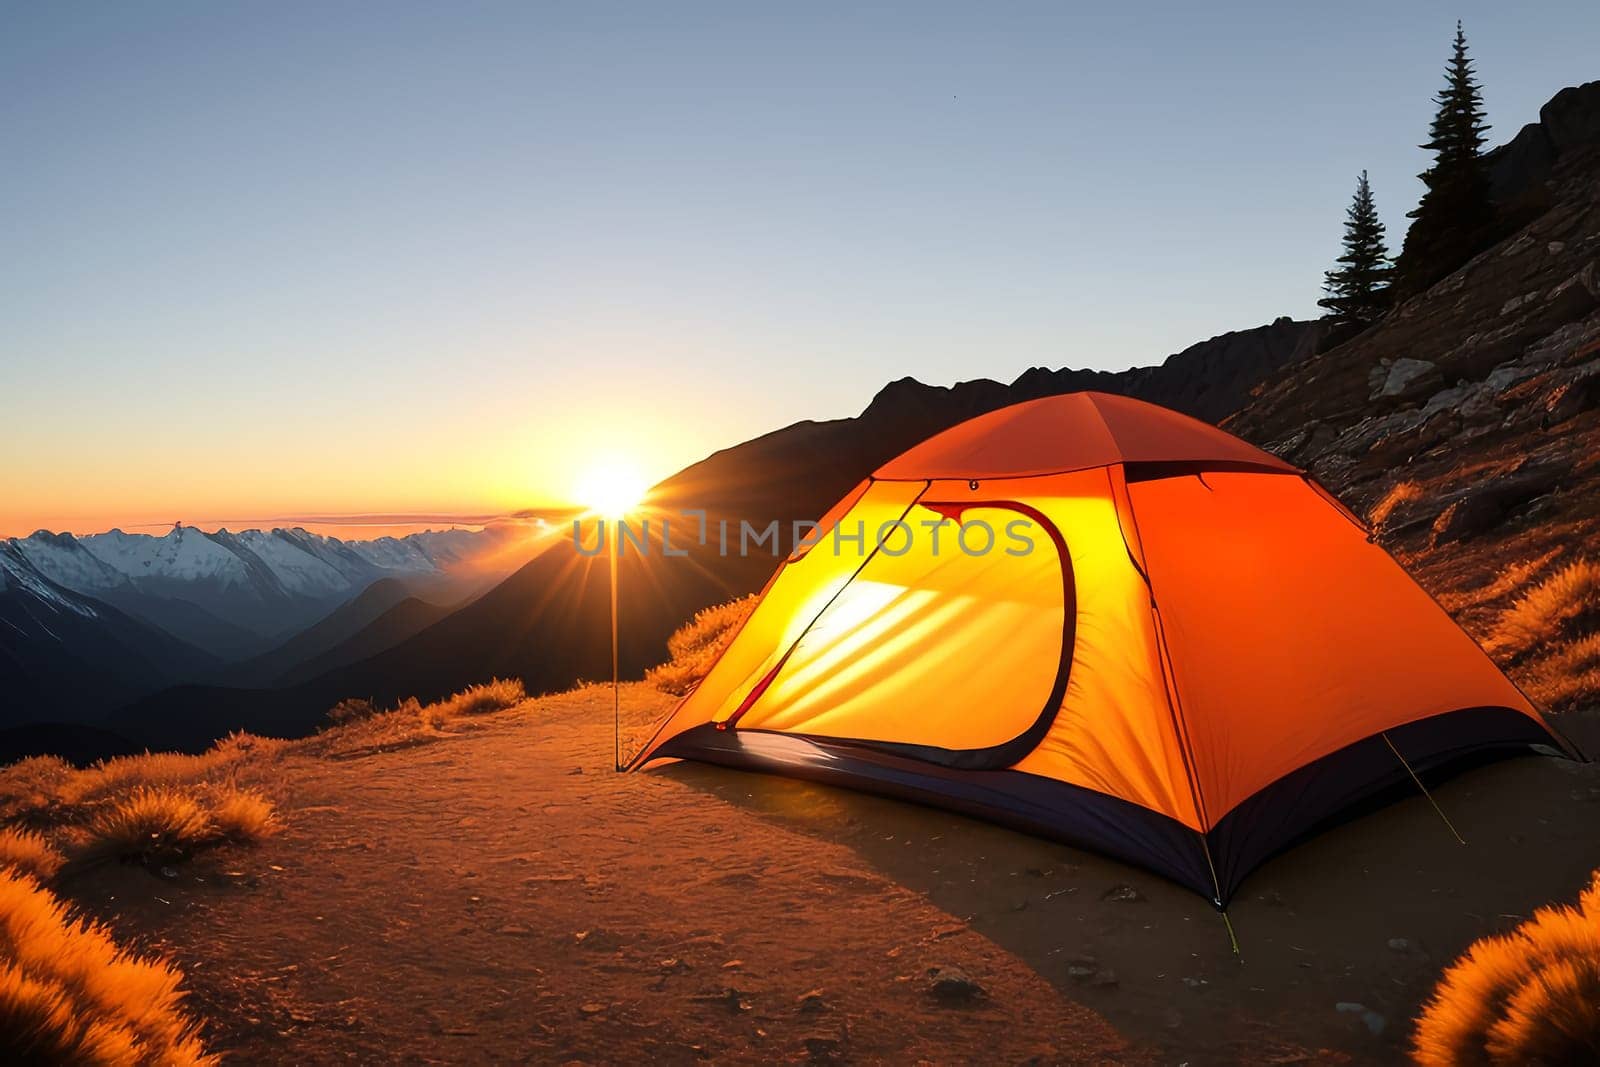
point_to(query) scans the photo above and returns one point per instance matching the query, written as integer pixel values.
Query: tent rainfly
(1103, 622)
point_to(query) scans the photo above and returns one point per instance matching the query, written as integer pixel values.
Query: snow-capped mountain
(206, 587)
(67, 656)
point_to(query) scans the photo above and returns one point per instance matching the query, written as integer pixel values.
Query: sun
(611, 488)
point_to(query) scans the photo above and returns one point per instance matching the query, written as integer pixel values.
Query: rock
(1408, 379)
(1573, 299)
(1122, 894)
(1449, 399)
(953, 986)
(1506, 375)
(1571, 399)
(1378, 374)
(592, 1008)
(821, 1047)
(1555, 248)
(1484, 507)
(811, 1002)
(1399, 944)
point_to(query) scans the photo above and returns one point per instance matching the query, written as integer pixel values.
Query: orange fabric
(1114, 732)
(1290, 634)
(799, 591)
(1229, 627)
(1075, 431)
(863, 669)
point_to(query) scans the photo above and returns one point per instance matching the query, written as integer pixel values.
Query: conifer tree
(1453, 221)
(1358, 289)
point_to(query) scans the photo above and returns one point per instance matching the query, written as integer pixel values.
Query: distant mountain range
(87, 623)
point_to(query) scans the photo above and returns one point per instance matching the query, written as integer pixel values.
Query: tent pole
(616, 696)
(1424, 789)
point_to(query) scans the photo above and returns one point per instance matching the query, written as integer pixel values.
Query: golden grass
(169, 823)
(1511, 579)
(1567, 677)
(27, 851)
(242, 816)
(1401, 493)
(494, 695)
(70, 994)
(1530, 996)
(151, 823)
(1549, 611)
(697, 644)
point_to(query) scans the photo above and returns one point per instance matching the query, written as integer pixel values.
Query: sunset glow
(611, 488)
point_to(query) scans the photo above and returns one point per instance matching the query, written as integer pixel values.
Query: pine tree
(1358, 289)
(1453, 222)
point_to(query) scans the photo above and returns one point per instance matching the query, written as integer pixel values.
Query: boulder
(1408, 379)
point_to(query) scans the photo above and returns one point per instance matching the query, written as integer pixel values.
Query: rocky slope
(1468, 420)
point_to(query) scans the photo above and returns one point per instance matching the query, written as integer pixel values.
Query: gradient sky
(282, 259)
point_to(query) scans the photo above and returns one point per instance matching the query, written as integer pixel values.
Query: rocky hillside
(1467, 422)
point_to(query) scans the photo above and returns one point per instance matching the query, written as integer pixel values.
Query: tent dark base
(1321, 793)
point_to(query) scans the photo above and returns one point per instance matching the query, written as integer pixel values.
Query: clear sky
(283, 259)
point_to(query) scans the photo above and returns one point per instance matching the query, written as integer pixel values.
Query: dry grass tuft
(697, 644)
(1568, 677)
(151, 823)
(1549, 612)
(1530, 996)
(352, 709)
(242, 816)
(1402, 493)
(69, 994)
(1509, 580)
(28, 852)
(33, 783)
(494, 695)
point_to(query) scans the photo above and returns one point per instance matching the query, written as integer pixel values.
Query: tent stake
(1234, 941)
(1424, 789)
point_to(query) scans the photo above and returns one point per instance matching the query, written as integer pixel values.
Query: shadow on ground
(1341, 938)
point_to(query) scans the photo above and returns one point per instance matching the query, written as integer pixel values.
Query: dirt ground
(502, 896)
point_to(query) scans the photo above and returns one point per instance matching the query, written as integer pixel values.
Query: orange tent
(1101, 621)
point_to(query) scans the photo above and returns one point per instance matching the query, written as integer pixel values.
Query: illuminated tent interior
(1198, 658)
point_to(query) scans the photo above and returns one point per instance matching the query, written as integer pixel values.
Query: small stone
(169, 873)
(576, 770)
(953, 985)
(1122, 894)
(811, 1002)
(592, 1008)
(1195, 983)
(1399, 944)
(821, 1047)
